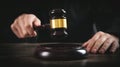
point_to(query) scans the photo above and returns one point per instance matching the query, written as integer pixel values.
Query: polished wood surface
(22, 55)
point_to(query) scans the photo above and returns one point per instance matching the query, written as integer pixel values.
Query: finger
(23, 24)
(93, 40)
(86, 43)
(98, 44)
(114, 47)
(106, 45)
(30, 30)
(29, 20)
(15, 31)
(36, 22)
(19, 27)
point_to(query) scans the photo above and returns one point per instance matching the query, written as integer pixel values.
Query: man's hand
(23, 25)
(100, 43)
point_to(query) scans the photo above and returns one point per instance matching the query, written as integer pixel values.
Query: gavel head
(58, 24)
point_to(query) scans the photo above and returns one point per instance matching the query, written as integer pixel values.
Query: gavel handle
(42, 27)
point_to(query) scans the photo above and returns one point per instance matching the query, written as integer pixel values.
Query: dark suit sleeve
(107, 17)
(115, 28)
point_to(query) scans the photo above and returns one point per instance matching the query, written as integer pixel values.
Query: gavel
(59, 50)
(57, 25)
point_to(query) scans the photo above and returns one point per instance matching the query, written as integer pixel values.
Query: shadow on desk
(22, 55)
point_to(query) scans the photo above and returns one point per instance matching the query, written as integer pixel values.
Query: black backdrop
(12, 9)
(9, 10)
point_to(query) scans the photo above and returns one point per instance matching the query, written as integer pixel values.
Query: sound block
(60, 51)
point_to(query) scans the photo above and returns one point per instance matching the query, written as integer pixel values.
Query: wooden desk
(21, 55)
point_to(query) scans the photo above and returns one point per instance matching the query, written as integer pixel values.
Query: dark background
(9, 10)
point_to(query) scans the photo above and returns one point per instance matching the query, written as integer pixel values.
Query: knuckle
(12, 26)
(108, 35)
(89, 46)
(16, 22)
(103, 48)
(100, 32)
(28, 26)
(99, 41)
(107, 42)
(31, 15)
(103, 38)
(106, 46)
(93, 39)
